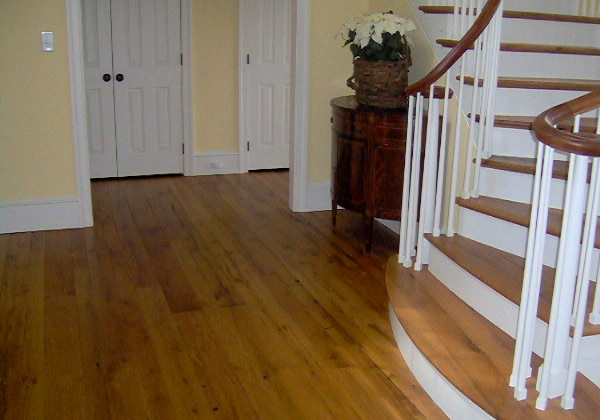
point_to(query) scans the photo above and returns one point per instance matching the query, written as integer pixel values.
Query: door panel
(268, 42)
(146, 51)
(98, 93)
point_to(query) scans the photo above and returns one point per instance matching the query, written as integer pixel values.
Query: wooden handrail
(578, 143)
(482, 21)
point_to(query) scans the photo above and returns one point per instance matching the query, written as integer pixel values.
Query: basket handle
(351, 82)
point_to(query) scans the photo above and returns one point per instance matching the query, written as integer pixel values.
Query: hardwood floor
(201, 298)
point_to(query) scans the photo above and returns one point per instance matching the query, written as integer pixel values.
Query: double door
(132, 55)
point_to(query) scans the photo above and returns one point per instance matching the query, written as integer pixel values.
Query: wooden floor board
(201, 297)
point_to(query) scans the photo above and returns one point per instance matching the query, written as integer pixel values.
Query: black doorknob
(119, 77)
(106, 77)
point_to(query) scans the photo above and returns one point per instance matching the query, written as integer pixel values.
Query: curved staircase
(464, 283)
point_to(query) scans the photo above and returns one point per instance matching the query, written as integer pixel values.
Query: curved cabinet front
(368, 151)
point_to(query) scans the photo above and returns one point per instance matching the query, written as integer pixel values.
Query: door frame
(300, 67)
(78, 106)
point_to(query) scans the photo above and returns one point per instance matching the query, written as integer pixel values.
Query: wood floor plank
(201, 297)
(94, 383)
(13, 298)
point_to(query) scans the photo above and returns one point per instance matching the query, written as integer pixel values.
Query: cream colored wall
(330, 66)
(215, 75)
(36, 139)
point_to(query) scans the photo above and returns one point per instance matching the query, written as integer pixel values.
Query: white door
(267, 41)
(99, 96)
(146, 80)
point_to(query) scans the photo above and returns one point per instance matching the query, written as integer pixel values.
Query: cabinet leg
(368, 233)
(333, 212)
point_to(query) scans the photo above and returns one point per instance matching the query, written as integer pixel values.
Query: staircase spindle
(583, 283)
(442, 162)
(528, 308)
(551, 380)
(404, 247)
(429, 178)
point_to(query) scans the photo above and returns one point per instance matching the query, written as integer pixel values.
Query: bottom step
(460, 358)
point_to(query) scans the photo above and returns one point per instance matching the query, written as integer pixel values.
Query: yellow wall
(215, 75)
(36, 140)
(330, 66)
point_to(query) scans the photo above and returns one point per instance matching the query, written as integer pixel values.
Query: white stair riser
(492, 305)
(546, 32)
(515, 186)
(513, 142)
(508, 236)
(548, 65)
(525, 102)
(502, 312)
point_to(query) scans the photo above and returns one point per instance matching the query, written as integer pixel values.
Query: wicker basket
(380, 84)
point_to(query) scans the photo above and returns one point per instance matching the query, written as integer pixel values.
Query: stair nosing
(525, 15)
(539, 83)
(533, 48)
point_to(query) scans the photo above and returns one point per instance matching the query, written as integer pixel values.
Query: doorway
(133, 86)
(265, 81)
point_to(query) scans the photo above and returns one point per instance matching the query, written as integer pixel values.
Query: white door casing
(266, 38)
(98, 93)
(147, 126)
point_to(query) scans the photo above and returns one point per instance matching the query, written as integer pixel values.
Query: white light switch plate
(47, 41)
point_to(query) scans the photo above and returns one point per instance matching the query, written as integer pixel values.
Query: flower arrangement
(378, 37)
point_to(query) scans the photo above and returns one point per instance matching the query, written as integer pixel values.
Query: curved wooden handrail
(578, 143)
(482, 21)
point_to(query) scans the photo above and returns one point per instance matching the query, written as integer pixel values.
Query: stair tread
(520, 14)
(470, 352)
(533, 48)
(545, 83)
(518, 213)
(588, 125)
(503, 272)
(524, 165)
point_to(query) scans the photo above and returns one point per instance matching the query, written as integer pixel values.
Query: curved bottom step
(461, 359)
(452, 402)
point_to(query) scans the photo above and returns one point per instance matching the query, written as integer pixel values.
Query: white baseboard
(216, 163)
(40, 214)
(318, 196)
(392, 225)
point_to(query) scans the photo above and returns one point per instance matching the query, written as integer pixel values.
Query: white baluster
(429, 167)
(493, 82)
(455, 32)
(527, 274)
(585, 266)
(442, 162)
(414, 183)
(488, 44)
(406, 181)
(595, 315)
(530, 306)
(552, 380)
(477, 55)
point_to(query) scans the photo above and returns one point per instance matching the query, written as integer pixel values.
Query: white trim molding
(80, 138)
(41, 214)
(318, 197)
(187, 87)
(242, 155)
(216, 163)
(298, 200)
